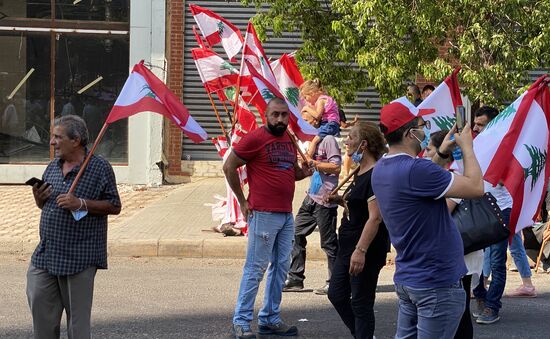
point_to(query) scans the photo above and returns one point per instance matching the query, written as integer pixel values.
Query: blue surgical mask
(357, 157)
(424, 143)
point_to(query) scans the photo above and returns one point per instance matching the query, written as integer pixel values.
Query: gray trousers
(49, 295)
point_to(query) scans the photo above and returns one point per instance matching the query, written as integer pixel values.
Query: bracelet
(85, 205)
(442, 155)
(361, 249)
(78, 209)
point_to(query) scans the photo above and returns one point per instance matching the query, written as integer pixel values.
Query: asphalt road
(194, 298)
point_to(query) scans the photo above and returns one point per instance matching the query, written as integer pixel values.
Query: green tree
(352, 44)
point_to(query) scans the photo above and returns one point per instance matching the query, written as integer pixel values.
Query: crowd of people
(394, 198)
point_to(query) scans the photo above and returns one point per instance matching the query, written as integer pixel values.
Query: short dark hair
(414, 88)
(488, 111)
(437, 137)
(275, 100)
(396, 136)
(75, 127)
(428, 88)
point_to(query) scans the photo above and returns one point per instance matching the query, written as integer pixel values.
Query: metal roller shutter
(194, 95)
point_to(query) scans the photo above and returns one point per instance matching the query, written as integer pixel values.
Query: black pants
(311, 215)
(465, 329)
(353, 296)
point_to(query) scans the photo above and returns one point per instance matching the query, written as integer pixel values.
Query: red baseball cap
(400, 112)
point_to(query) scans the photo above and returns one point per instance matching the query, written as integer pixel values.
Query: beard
(277, 130)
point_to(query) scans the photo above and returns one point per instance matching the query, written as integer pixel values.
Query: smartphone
(35, 180)
(460, 117)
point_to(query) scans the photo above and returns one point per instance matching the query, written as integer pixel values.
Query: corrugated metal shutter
(197, 101)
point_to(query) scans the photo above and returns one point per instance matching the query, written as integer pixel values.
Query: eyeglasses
(426, 124)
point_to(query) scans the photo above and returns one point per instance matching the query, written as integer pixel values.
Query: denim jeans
(520, 257)
(429, 312)
(498, 272)
(310, 216)
(270, 237)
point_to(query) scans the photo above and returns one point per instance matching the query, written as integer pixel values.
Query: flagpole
(216, 112)
(90, 153)
(293, 139)
(346, 179)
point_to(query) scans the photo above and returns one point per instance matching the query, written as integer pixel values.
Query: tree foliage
(352, 44)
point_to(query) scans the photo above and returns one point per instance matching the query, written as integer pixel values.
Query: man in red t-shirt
(272, 169)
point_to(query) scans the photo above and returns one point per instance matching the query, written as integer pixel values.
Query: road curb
(228, 248)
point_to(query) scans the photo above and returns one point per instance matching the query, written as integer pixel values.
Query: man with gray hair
(73, 233)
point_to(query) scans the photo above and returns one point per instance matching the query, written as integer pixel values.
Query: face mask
(357, 157)
(424, 143)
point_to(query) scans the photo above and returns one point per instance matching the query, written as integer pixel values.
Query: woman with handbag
(441, 154)
(363, 238)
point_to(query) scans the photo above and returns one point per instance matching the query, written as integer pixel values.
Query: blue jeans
(429, 312)
(520, 257)
(498, 272)
(270, 237)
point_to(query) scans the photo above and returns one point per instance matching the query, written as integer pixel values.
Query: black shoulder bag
(480, 223)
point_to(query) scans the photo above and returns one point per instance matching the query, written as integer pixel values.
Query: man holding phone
(73, 233)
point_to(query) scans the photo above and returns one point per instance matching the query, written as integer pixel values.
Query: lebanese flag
(198, 38)
(444, 100)
(216, 73)
(230, 208)
(254, 54)
(299, 126)
(513, 149)
(288, 78)
(216, 29)
(144, 92)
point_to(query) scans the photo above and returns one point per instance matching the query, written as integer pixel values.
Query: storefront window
(90, 65)
(95, 10)
(80, 61)
(25, 114)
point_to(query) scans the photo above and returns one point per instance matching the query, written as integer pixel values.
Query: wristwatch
(442, 155)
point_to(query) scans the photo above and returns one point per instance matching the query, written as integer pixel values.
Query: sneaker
(243, 332)
(523, 292)
(478, 309)
(280, 329)
(293, 286)
(488, 317)
(322, 291)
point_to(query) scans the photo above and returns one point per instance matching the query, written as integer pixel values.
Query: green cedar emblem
(444, 122)
(538, 161)
(149, 93)
(230, 93)
(227, 66)
(293, 95)
(221, 27)
(501, 116)
(267, 95)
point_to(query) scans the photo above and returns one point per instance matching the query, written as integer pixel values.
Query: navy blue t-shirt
(409, 192)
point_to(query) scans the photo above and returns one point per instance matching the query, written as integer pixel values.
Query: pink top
(331, 109)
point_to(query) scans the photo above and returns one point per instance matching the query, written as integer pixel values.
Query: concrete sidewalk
(164, 221)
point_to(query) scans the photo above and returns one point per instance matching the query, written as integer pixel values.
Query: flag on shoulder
(288, 78)
(513, 149)
(443, 100)
(216, 29)
(144, 92)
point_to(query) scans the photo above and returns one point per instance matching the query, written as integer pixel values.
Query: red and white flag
(303, 130)
(216, 29)
(216, 73)
(198, 37)
(229, 209)
(443, 99)
(144, 92)
(244, 116)
(513, 149)
(288, 78)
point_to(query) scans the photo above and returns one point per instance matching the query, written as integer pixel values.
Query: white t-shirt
(504, 199)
